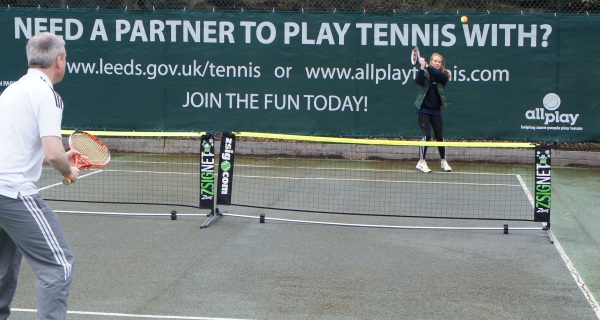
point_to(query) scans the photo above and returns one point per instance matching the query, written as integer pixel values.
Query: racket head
(415, 55)
(93, 151)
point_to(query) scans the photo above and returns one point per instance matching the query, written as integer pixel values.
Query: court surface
(157, 268)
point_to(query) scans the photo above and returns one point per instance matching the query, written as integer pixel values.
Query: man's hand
(55, 155)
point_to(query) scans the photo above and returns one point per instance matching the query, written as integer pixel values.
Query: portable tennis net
(490, 180)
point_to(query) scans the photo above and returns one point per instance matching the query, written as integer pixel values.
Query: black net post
(207, 177)
(543, 186)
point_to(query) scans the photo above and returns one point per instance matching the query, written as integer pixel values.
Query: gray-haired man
(30, 123)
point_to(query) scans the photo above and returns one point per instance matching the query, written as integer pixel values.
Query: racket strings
(94, 151)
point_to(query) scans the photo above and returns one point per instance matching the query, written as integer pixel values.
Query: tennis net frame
(210, 184)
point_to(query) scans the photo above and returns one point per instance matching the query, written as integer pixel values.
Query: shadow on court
(154, 267)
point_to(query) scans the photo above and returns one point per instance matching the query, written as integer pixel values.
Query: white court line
(304, 168)
(159, 162)
(379, 180)
(376, 226)
(584, 289)
(60, 183)
(104, 213)
(376, 170)
(127, 315)
(526, 190)
(153, 172)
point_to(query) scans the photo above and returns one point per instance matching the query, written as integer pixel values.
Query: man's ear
(58, 61)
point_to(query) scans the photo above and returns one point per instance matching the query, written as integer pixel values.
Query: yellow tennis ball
(464, 19)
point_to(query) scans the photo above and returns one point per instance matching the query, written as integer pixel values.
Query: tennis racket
(94, 154)
(415, 55)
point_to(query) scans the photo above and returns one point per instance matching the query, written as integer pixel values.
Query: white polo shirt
(29, 110)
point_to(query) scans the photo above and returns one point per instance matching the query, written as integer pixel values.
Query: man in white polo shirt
(30, 123)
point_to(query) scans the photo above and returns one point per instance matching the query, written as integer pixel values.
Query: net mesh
(313, 174)
(145, 168)
(379, 177)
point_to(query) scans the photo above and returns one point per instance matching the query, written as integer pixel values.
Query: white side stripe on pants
(422, 149)
(46, 229)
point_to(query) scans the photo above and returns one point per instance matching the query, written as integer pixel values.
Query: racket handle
(66, 181)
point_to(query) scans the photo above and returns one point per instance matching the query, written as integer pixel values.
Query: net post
(224, 184)
(226, 166)
(549, 232)
(543, 186)
(207, 177)
(212, 216)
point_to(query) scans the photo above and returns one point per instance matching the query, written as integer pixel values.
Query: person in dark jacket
(432, 79)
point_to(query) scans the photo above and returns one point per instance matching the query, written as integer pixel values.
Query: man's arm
(55, 155)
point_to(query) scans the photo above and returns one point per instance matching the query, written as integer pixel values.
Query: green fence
(514, 76)
(398, 6)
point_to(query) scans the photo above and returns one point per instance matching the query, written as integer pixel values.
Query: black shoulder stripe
(58, 100)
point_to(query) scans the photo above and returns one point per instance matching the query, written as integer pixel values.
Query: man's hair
(43, 48)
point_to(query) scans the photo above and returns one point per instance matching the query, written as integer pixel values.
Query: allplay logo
(549, 113)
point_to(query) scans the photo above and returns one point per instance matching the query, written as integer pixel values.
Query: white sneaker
(445, 166)
(422, 165)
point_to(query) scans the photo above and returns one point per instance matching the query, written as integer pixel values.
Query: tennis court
(130, 266)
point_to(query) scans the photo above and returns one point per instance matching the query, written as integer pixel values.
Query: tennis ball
(551, 101)
(464, 19)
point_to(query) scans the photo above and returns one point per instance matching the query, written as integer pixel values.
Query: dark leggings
(426, 122)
